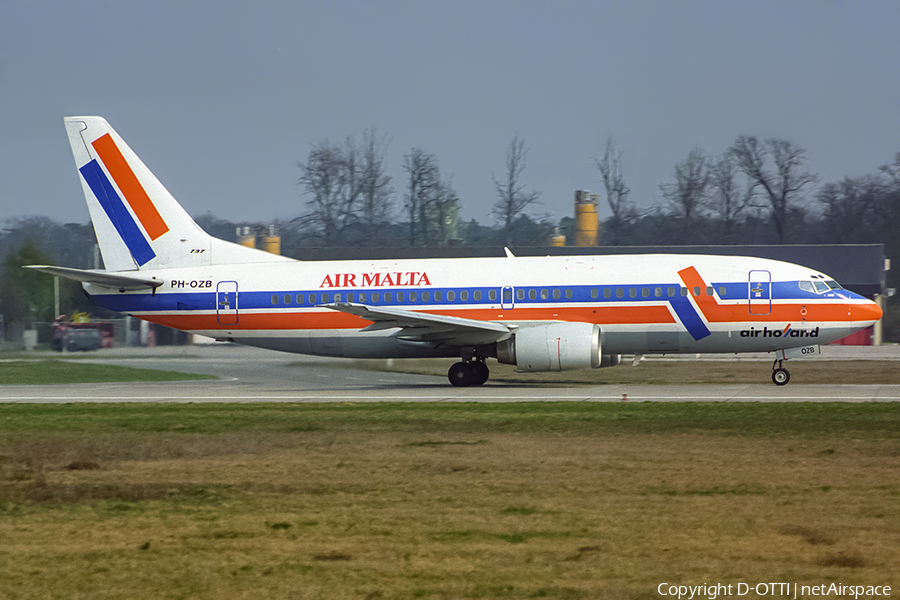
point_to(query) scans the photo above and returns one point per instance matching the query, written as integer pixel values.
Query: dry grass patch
(353, 515)
(544, 501)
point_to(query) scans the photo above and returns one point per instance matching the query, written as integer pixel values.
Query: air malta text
(778, 333)
(352, 280)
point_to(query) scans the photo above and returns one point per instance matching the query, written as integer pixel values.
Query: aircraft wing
(108, 279)
(438, 330)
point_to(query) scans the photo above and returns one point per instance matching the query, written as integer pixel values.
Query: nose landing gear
(780, 375)
(471, 372)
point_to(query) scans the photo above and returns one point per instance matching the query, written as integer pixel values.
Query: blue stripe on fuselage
(689, 316)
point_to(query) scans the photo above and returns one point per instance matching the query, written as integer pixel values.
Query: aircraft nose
(866, 311)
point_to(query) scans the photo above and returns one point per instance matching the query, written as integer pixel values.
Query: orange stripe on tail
(132, 189)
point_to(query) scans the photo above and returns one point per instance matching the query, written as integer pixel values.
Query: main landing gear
(780, 375)
(470, 372)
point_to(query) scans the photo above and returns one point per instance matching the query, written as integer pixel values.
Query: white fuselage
(642, 303)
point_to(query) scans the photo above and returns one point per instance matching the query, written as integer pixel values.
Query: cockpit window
(819, 286)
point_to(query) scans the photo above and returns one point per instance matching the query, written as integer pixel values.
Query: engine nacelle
(555, 347)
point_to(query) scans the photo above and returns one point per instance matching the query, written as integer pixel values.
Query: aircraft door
(506, 298)
(759, 292)
(226, 302)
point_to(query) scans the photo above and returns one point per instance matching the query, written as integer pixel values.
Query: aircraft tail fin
(139, 225)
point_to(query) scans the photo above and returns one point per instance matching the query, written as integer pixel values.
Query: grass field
(51, 371)
(531, 500)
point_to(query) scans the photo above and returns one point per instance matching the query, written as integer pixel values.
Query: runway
(254, 375)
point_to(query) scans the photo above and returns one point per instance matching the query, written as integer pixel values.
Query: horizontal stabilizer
(112, 280)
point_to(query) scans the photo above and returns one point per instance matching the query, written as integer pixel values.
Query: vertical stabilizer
(137, 221)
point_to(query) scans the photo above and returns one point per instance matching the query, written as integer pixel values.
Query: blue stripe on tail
(115, 209)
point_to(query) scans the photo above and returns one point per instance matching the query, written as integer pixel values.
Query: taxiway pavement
(255, 375)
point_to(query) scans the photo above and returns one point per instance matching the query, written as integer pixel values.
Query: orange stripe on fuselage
(132, 189)
(338, 320)
(724, 313)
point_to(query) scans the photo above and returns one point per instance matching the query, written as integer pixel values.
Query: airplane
(537, 313)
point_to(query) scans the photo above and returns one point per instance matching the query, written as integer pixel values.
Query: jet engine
(555, 347)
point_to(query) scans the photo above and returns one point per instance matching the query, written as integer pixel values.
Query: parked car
(82, 339)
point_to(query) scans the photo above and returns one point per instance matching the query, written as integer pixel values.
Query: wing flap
(416, 326)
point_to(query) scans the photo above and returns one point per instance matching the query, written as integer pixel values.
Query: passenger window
(299, 298)
(492, 295)
(312, 299)
(520, 294)
(476, 295)
(412, 296)
(437, 296)
(709, 290)
(632, 293)
(451, 296)
(337, 297)
(399, 296)
(324, 298)
(657, 292)
(568, 294)
(287, 298)
(721, 291)
(606, 293)
(464, 295)
(556, 294)
(387, 296)
(532, 294)
(374, 296)
(594, 292)
(425, 296)
(645, 292)
(362, 296)
(670, 292)
(349, 297)
(620, 293)
(696, 290)
(545, 295)
(274, 298)
(684, 291)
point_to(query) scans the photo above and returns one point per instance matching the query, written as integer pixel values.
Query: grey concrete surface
(254, 375)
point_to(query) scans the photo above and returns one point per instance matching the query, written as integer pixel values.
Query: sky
(221, 99)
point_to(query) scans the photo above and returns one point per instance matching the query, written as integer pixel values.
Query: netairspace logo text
(779, 589)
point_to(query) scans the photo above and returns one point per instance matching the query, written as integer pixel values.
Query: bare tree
(348, 187)
(443, 214)
(376, 191)
(324, 176)
(423, 177)
(851, 209)
(512, 197)
(779, 168)
(621, 207)
(687, 193)
(728, 197)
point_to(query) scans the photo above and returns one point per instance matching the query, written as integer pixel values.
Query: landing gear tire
(464, 374)
(780, 376)
(480, 372)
